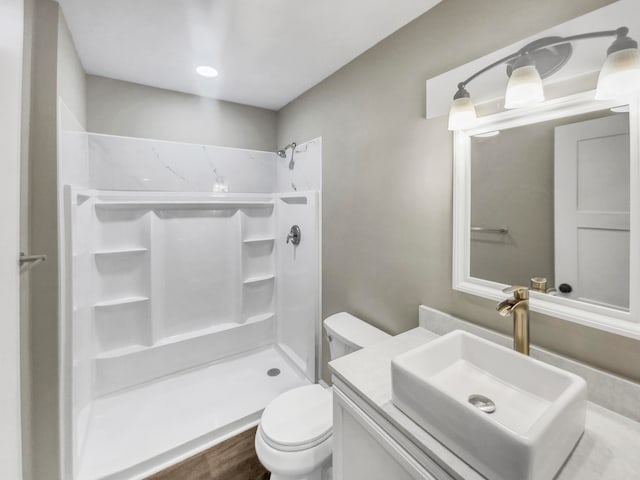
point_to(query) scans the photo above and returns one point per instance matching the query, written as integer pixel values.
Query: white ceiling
(267, 51)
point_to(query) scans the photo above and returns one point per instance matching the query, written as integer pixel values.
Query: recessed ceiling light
(207, 71)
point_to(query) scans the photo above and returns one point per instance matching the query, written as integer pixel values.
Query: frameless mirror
(551, 194)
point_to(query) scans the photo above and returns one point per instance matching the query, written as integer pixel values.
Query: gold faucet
(519, 306)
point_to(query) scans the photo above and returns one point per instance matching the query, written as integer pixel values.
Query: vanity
(374, 439)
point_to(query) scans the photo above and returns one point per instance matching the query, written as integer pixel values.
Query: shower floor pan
(139, 431)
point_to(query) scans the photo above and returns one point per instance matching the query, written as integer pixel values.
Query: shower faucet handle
(294, 235)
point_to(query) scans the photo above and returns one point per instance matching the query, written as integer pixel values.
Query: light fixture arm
(623, 41)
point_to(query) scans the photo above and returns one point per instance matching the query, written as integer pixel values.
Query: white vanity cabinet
(375, 440)
(363, 450)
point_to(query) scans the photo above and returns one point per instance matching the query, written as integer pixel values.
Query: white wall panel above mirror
(557, 195)
(577, 75)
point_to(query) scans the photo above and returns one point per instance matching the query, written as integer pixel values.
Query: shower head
(283, 153)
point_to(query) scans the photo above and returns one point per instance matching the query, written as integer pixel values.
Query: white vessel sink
(539, 409)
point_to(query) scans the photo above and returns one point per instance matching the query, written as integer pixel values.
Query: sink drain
(482, 403)
(273, 372)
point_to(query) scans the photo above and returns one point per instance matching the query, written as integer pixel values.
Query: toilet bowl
(293, 440)
(294, 437)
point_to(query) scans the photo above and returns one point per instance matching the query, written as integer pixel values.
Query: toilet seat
(299, 419)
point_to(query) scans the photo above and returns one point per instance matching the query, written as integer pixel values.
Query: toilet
(294, 437)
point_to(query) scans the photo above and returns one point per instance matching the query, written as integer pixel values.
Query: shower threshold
(137, 432)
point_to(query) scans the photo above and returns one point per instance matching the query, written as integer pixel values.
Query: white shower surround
(162, 278)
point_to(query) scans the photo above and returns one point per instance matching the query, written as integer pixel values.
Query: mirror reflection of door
(592, 210)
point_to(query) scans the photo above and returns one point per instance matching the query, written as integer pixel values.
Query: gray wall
(122, 108)
(25, 280)
(52, 69)
(387, 175)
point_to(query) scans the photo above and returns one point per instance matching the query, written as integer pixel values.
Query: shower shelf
(122, 351)
(213, 329)
(123, 251)
(178, 204)
(258, 279)
(259, 240)
(258, 318)
(183, 337)
(120, 301)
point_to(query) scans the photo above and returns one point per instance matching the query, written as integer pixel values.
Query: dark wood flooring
(233, 459)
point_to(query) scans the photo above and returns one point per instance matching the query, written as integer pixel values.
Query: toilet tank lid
(353, 331)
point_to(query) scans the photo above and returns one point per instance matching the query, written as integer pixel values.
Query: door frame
(11, 44)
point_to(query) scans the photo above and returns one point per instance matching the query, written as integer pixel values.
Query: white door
(592, 210)
(11, 28)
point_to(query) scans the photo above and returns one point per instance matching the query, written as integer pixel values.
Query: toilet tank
(347, 334)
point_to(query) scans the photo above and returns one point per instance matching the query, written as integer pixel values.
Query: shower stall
(184, 308)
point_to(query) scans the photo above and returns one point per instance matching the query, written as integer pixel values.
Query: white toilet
(294, 440)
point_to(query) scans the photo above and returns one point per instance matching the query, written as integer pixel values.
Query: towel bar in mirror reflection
(500, 231)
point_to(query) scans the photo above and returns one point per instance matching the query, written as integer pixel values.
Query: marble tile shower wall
(123, 163)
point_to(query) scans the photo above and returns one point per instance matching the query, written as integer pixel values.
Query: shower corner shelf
(264, 239)
(259, 279)
(121, 301)
(121, 251)
(121, 352)
(298, 194)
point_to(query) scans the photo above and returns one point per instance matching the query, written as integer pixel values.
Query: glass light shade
(462, 114)
(524, 88)
(620, 74)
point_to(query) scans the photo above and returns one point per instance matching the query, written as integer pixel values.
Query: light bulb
(620, 75)
(524, 88)
(462, 114)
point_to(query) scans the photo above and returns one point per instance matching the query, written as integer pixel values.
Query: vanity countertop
(608, 450)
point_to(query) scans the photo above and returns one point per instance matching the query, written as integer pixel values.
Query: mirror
(550, 194)
(551, 200)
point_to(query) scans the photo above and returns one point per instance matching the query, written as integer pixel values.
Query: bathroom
(364, 91)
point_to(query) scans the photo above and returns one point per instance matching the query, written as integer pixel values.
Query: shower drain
(273, 372)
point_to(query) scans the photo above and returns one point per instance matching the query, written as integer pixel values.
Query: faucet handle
(519, 292)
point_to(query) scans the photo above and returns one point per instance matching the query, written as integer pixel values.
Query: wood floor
(233, 459)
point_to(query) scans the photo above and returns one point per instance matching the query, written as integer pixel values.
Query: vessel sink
(508, 416)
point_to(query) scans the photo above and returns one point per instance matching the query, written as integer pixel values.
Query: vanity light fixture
(207, 71)
(620, 74)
